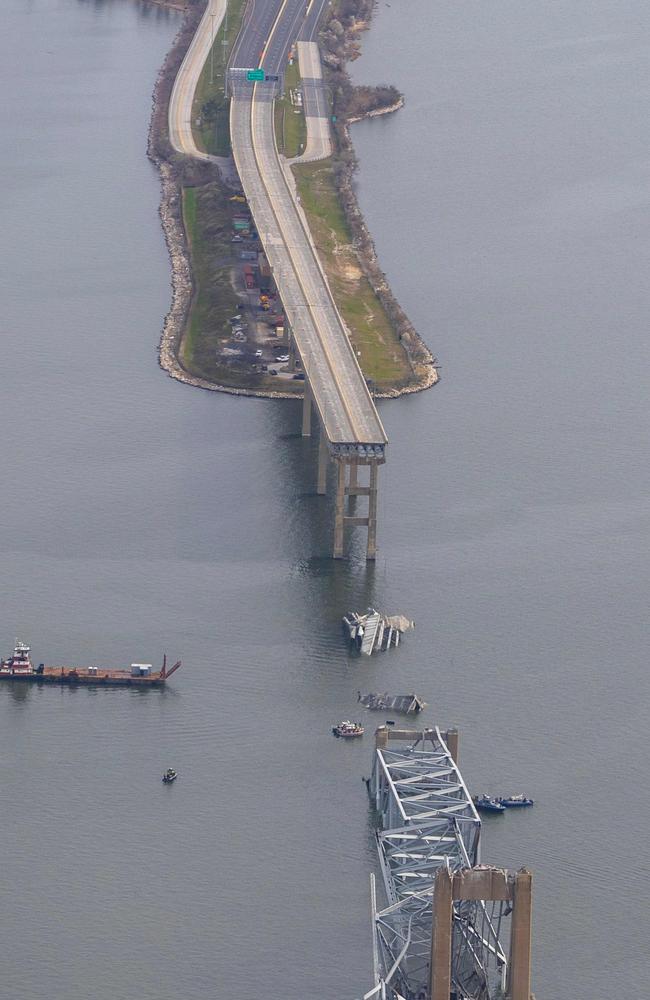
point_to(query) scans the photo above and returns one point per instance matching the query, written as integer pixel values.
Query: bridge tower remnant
(439, 933)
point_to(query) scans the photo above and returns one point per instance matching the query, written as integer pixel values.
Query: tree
(210, 110)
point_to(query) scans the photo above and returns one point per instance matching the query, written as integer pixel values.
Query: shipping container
(250, 276)
(265, 270)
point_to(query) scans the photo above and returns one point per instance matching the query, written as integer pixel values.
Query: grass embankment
(207, 217)
(382, 357)
(206, 220)
(210, 107)
(290, 126)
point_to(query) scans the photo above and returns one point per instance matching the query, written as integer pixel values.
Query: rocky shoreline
(181, 5)
(174, 167)
(340, 43)
(375, 112)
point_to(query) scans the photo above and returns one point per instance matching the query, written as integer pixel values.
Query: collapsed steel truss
(428, 820)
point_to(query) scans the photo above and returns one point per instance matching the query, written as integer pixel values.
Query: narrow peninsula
(226, 329)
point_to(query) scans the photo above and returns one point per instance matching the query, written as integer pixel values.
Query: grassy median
(211, 107)
(290, 125)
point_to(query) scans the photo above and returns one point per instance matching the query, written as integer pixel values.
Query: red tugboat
(20, 662)
(19, 667)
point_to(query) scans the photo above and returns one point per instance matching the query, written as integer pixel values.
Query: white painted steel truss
(428, 820)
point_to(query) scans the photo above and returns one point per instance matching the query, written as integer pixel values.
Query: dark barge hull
(70, 680)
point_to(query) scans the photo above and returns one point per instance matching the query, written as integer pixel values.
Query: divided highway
(338, 387)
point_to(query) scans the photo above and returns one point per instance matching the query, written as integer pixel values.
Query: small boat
(485, 803)
(348, 729)
(515, 802)
(169, 776)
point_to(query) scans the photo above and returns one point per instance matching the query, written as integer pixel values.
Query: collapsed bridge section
(439, 934)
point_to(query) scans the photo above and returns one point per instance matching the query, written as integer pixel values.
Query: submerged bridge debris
(406, 703)
(374, 631)
(439, 933)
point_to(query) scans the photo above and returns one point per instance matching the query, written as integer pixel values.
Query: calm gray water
(509, 203)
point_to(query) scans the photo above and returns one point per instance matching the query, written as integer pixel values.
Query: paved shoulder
(319, 142)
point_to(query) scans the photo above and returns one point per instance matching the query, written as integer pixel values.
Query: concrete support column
(440, 968)
(521, 937)
(353, 473)
(306, 412)
(371, 551)
(321, 487)
(451, 739)
(381, 737)
(340, 510)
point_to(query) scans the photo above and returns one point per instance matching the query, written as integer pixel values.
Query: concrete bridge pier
(487, 884)
(347, 485)
(323, 459)
(349, 459)
(306, 411)
(323, 448)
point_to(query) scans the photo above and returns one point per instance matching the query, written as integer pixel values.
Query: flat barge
(19, 667)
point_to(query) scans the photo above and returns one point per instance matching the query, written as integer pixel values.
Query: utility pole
(212, 17)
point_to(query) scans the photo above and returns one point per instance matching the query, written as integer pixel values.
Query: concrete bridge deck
(352, 433)
(339, 391)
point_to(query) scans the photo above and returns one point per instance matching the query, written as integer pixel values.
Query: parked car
(282, 357)
(300, 375)
(258, 354)
(272, 371)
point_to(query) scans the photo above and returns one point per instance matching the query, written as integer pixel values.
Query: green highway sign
(255, 74)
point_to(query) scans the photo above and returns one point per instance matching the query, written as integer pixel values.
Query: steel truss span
(428, 822)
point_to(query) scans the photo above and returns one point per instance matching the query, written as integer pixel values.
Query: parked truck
(266, 278)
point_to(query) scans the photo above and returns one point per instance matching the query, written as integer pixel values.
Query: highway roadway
(314, 102)
(339, 391)
(338, 387)
(182, 96)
